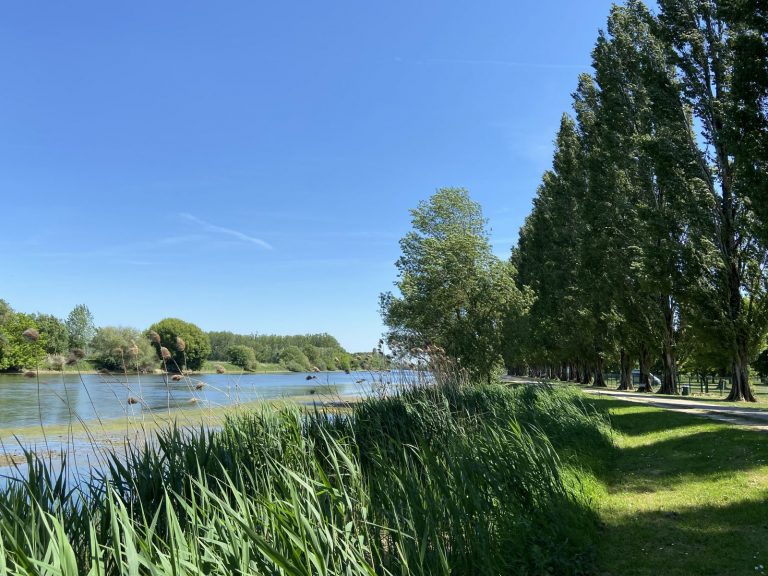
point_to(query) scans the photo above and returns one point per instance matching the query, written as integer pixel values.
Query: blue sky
(249, 166)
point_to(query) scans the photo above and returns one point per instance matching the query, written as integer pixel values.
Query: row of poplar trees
(648, 237)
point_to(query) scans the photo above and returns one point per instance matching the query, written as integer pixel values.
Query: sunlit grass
(683, 496)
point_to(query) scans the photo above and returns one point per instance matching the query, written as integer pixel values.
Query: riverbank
(390, 489)
(102, 434)
(86, 367)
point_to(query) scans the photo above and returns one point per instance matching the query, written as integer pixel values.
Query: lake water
(61, 399)
(88, 401)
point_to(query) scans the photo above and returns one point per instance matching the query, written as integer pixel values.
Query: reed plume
(31, 335)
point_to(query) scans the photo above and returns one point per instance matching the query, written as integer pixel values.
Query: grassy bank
(436, 480)
(683, 495)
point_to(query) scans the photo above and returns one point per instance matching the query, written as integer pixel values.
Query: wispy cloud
(227, 231)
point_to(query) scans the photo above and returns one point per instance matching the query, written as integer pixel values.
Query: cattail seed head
(78, 353)
(133, 400)
(133, 350)
(220, 370)
(154, 337)
(176, 377)
(30, 373)
(31, 335)
(165, 353)
(180, 344)
(199, 386)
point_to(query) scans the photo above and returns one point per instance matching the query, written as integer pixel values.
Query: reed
(439, 477)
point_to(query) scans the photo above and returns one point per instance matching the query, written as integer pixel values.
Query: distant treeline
(46, 342)
(299, 353)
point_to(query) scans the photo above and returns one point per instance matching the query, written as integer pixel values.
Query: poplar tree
(712, 42)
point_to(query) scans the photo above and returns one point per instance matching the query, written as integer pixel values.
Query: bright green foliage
(242, 356)
(55, 332)
(196, 348)
(16, 351)
(294, 359)
(322, 350)
(454, 293)
(119, 348)
(80, 327)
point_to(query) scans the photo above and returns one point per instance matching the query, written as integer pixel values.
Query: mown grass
(683, 495)
(444, 479)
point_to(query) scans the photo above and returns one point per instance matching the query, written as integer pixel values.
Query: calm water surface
(61, 399)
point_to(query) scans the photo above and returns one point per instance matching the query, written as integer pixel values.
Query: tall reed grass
(438, 478)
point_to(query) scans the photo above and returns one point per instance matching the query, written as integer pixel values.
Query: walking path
(754, 418)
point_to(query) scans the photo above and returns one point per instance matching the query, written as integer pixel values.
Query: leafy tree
(547, 258)
(242, 356)
(653, 171)
(454, 293)
(714, 51)
(80, 327)
(55, 332)
(187, 344)
(294, 359)
(17, 349)
(119, 348)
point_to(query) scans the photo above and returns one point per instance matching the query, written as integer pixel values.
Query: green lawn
(683, 496)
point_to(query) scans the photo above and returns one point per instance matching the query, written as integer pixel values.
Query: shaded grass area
(448, 479)
(683, 495)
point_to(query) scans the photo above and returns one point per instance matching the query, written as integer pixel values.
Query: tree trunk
(669, 383)
(740, 387)
(586, 375)
(625, 381)
(599, 378)
(645, 361)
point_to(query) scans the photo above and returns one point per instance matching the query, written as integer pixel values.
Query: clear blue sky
(249, 166)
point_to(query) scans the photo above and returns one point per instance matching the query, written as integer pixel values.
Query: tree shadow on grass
(710, 539)
(699, 456)
(635, 419)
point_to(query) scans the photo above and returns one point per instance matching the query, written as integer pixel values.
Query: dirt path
(753, 418)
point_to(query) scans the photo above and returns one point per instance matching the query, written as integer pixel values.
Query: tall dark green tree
(712, 61)
(654, 188)
(547, 260)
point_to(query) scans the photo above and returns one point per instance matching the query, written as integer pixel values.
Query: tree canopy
(453, 292)
(646, 239)
(179, 345)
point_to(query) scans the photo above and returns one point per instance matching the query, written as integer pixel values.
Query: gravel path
(754, 418)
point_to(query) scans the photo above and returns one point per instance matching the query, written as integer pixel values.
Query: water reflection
(63, 399)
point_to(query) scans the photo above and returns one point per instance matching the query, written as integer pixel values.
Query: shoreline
(100, 435)
(161, 373)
